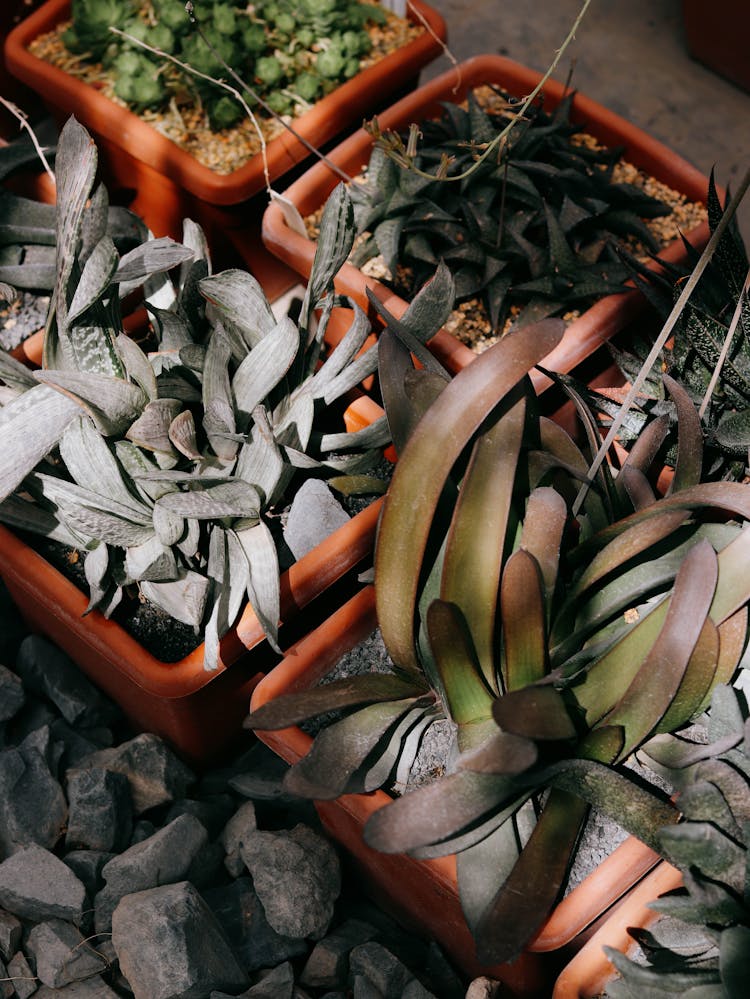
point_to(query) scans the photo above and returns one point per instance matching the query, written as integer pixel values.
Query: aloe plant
(701, 946)
(694, 352)
(531, 229)
(557, 644)
(163, 466)
(288, 52)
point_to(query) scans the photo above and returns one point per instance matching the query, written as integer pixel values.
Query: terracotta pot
(599, 322)
(424, 893)
(717, 35)
(590, 970)
(200, 713)
(170, 183)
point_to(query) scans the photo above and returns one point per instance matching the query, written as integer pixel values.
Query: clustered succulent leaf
(533, 229)
(163, 465)
(693, 352)
(701, 945)
(556, 643)
(291, 53)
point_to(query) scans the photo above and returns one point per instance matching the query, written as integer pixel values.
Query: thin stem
(725, 347)
(446, 51)
(666, 331)
(24, 121)
(527, 102)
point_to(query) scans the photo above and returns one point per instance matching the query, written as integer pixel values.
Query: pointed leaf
(137, 365)
(48, 413)
(435, 812)
(430, 453)
(468, 697)
(264, 367)
(183, 599)
(92, 465)
(242, 303)
(95, 279)
(227, 499)
(640, 710)
(523, 620)
(263, 586)
(528, 893)
(339, 751)
(348, 692)
(477, 535)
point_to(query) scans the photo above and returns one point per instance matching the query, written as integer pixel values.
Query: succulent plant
(531, 229)
(701, 945)
(694, 350)
(92, 20)
(163, 466)
(277, 47)
(556, 643)
(28, 227)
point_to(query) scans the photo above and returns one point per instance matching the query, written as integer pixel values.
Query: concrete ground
(629, 55)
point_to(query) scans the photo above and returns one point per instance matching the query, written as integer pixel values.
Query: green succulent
(534, 230)
(92, 20)
(272, 43)
(163, 466)
(701, 945)
(172, 14)
(269, 70)
(156, 35)
(694, 350)
(307, 86)
(331, 62)
(535, 629)
(139, 80)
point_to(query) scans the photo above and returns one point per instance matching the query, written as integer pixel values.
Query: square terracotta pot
(424, 893)
(200, 713)
(171, 183)
(599, 322)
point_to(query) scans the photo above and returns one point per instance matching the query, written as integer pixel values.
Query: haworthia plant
(557, 644)
(531, 232)
(162, 464)
(701, 944)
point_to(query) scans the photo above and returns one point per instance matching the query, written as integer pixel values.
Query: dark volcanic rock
(34, 807)
(61, 955)
(36, 885)
(47, 671)
(241, 916)
(297, 877)
(101, 810)
(156, 775)
(170, 946)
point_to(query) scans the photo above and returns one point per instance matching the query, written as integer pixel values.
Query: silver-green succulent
(162, 464)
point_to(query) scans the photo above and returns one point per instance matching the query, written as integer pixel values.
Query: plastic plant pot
(597, 324)
(424, 893)
(170, 183)
(588, 973)
(200, 713)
